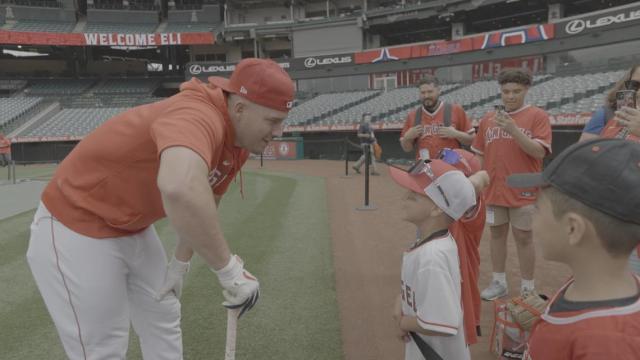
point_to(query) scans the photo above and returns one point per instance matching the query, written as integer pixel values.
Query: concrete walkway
(20, 197)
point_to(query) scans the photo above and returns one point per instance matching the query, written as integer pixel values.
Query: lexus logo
(310, 62)
(575, 26)
(578, 25)
(195, 69)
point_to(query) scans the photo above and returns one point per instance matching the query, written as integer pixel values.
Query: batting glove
(173, 278)
(240, 288)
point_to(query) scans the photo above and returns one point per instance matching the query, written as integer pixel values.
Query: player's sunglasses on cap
(461, 159)
(424, 167)
(449, 156)
(444, 184)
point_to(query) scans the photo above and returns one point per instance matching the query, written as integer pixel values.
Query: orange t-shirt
(503, 156)
(614, 131)
(606, 332)
(431, 122)
(5, 145)
(468, 232)
(107, 186)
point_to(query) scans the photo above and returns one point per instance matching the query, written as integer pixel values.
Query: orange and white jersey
(602, 331)
(431, 293)
(431, 122)
(503, 156)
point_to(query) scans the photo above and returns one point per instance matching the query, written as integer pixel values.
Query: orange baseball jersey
(614, 131)
(107, 186)
(431, 122)
(467, 232)
(605, 331)
(503, 156)
(5, 145)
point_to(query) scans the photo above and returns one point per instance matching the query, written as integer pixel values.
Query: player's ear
(238, 105)
(576, 227)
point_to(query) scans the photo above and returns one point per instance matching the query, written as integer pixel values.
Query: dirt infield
(367, 248)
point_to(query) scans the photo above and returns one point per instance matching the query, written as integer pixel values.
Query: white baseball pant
(95, 288)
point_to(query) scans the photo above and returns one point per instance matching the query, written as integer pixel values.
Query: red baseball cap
(447, 186)
(261, 81)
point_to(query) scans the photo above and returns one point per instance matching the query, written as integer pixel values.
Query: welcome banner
(101, 39)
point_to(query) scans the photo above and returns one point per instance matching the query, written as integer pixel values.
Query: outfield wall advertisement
(604, 20)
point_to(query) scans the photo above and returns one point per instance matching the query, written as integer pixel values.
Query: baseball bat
(232, 326)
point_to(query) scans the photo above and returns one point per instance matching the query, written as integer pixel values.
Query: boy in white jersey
(429, 306)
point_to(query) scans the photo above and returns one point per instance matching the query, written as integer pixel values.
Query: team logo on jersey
(220, 173)
(408, 296)
(430, 130)
(495, 133)
(243, 90)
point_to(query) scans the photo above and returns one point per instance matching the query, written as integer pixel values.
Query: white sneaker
(494, 291)
(524, 292)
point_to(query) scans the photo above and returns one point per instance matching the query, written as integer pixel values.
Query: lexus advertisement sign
(618, 17)
(206, 69)
(321, 62)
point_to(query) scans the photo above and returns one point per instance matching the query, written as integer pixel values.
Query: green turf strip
(281, 231)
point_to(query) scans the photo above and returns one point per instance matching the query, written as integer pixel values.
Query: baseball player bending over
(94, 252)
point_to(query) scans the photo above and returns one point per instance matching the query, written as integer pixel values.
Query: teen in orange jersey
(512, 140)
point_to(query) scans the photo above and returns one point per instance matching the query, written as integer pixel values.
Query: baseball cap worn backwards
(261, 81)
(603, 174)
(445, 185)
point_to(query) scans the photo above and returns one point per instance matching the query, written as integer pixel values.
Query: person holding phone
(625, 124)
(624, 98)
(513, 139)
(601, 122)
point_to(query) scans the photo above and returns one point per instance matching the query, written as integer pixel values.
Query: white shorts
(95, 288)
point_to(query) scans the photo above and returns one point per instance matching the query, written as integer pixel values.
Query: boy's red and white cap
(446, 186)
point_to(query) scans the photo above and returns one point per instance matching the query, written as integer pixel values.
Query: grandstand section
(109, 28)
(125, 86)
(15, 108)
(59, 87)
(353, 56)
(383, 107)
(42, 26)
(73, 122)
(325, 105)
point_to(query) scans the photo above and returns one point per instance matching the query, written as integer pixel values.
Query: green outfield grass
(281, 231)
(34, 171)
